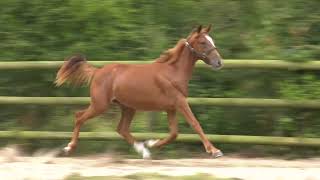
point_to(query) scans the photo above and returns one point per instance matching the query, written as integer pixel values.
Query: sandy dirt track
(47, 166)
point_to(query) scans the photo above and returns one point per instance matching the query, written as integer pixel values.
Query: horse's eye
(203, 43)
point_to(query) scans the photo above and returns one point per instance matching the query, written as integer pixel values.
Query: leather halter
(201, 55)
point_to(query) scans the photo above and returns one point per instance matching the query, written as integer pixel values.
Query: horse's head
(202, 46)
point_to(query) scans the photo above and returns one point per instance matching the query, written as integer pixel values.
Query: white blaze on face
(210, 40)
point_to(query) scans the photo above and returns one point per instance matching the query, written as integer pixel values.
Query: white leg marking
(66, 149)
(151, 142)
(146, 154)
(139, 147)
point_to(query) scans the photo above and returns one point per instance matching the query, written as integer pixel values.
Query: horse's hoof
(151, 142)
(67, 150)
(146, 154)
(217, 154)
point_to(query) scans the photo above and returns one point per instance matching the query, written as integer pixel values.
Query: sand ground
(47, 166)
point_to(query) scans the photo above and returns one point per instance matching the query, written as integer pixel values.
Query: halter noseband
(201, 55)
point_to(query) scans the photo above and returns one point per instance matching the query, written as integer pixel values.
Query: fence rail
(102, 136)
(235, 102)
(238, 102)
(231, 63)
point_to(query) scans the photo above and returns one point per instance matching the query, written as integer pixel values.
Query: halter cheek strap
(201, 55)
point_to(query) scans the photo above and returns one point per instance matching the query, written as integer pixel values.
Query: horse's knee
(174, 135)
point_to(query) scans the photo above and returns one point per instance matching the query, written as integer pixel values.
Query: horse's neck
(185, 65)
(183, 69)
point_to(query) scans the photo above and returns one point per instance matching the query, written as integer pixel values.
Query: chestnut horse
(160, 86)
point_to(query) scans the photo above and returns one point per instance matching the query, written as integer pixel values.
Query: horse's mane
(170, 56)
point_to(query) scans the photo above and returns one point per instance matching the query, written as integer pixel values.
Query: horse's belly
(142, 96)
(147, 102)
(146, 105)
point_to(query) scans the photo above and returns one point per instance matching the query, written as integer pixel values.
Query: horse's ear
(199, 28)
(207, 29)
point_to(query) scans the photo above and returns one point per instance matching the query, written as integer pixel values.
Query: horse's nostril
(219, 63)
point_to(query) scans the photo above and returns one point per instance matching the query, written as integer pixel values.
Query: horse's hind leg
(124, 125)
(81, 117)
(173, 126)
(124, 130)
(99, 104)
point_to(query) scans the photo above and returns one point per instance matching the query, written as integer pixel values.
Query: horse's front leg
(184, 108)
(123, 129)
(173, 126)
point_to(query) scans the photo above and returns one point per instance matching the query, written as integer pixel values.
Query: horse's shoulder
(166, 83)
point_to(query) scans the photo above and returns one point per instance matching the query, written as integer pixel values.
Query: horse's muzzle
(217, 64)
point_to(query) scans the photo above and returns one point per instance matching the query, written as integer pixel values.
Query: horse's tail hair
(75, 70)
